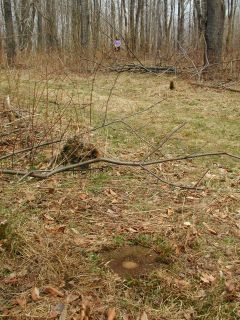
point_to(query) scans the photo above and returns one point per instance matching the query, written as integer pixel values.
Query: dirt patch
(132, 261)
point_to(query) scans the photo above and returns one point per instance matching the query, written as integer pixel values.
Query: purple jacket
(117, 43)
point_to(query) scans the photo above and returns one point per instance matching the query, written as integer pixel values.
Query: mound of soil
(132, 261)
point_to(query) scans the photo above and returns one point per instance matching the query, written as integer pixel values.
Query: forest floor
(115, 242)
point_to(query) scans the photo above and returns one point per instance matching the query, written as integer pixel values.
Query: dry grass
(57, 229)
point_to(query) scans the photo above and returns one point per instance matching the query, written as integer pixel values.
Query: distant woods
(150, 28)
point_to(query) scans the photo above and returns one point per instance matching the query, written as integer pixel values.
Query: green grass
(140, 216)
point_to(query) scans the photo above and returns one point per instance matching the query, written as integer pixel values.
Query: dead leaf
(72, 297)
(35, 294)
(132, 230)
(11, 278)
(53, 291)
(230, 287)
(111, 314)
(58, 229)
(85, 311)
(48, 217)
(210, 229)
(113, 193)
(22, 302)
(83, 196)
(53, 315)
(57, 311)
(80, 241)
(170, 211)
(181, 283)
(63, 315)
(144, 316)
(207, 278)
(30, 196)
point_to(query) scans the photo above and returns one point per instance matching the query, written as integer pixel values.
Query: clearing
(64, 235)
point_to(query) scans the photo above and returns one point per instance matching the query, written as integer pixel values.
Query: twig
(9, 155)
(201, 178)
(165, 139)
(168, 183)
(49, 173)
(109, 97)
(215, 87)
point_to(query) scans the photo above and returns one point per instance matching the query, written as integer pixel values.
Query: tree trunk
(214, 30)
(84, 23)
(76, 25)
(10, 41)
(131, 24)
(230, 23)
(180, 31)
(24, 24)
(51, 28)
(39, 27)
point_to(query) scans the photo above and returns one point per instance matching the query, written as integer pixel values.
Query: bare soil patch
(134, 261)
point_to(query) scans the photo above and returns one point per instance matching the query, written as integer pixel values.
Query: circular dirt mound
(133, 261)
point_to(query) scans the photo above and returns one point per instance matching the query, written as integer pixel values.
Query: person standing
(117, 43)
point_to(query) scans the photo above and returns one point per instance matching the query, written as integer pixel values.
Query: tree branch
(44, 174)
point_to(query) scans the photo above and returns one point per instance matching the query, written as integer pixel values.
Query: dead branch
(212, 86)
(44, 144)
(141, 68)
(170, 183)
(45, 174)
(165, 140)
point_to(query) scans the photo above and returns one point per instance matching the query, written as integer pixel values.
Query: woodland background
(160, 29)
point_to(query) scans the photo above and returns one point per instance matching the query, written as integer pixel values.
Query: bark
(232, 5)
(85, 23)
(76, 24)
(10, 40)
(24, 24)
(131, 24)
(51, 27)
(180, 31)
(39, 26)
(214, 30)
(201, 8)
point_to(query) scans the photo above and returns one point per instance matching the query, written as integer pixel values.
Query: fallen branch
(44, 174)
(141, 68)
(212, 86)
(165, 140)
(170, 183)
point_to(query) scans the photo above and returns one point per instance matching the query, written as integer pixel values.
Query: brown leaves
(85, 311)
(212, 231)
(207, 278)
(56, 229)
(231, 291)
(35, 294)
(53, 291)
(230, 286)
(111, 314)
(22, 302)
(143, 316)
